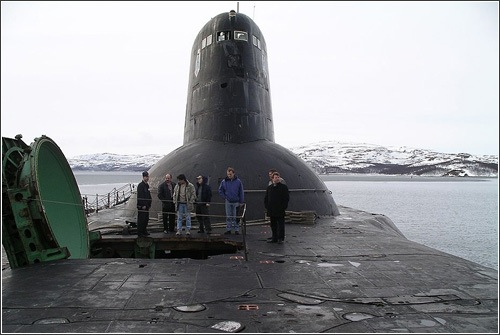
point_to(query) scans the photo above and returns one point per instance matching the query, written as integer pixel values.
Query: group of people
(181, 198)
(176, 198)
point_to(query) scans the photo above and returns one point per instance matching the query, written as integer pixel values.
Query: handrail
(113, 198)
(291, 190)
(123, 194)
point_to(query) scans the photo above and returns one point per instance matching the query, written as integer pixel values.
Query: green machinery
(42, 212)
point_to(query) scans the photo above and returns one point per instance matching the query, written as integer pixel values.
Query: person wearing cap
(184, 199)
(204, 197)
(143, 204)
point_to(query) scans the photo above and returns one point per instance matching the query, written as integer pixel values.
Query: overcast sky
(112, 76)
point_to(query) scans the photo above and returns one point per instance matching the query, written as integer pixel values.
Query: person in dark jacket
(203, 199)
(143, 205)
(165, 194)
(231, 190)
(276, 202)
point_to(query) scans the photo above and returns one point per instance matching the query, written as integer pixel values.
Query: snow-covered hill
(341, 157)
(113, 162)
(334, 157)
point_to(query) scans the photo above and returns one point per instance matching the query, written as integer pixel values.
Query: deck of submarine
(351, 273)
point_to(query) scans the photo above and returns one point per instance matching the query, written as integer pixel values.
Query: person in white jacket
(184, 199)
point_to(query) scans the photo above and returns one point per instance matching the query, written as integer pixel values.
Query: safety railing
(117, 196)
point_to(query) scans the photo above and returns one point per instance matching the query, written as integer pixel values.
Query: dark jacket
(143, 195)
(165, 195)
(206, 192)
(232, 190)
(276, 199)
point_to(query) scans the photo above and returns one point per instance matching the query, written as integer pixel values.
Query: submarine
(229, 123)
(350, 271)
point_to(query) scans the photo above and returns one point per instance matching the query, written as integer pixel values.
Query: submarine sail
(229, 122)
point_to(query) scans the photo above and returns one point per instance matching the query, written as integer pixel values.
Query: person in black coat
(143, 205)
(203, 199)
(276, 202)
(165, 194)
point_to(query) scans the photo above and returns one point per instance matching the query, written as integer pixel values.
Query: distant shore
(383, 177)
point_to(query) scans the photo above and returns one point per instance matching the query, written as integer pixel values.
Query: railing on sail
(113, 198)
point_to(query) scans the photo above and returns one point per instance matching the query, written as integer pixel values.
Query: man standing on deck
(276, 202)
(165, 194)
(184, 199)
(231, 190)
(143, 204)
(204, 197)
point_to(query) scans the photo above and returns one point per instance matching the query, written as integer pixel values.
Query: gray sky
(112, 76)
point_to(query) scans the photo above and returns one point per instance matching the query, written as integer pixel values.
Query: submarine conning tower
(229, 98)
(229, 122)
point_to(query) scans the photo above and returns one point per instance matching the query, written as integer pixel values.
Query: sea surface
(455, 215)
(92, 183)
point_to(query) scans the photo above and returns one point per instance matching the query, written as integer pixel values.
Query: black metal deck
(351, 273)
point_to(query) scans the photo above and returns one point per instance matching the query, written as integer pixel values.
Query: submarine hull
(251, 161)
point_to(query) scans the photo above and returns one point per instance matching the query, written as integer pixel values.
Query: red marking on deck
(248, 307)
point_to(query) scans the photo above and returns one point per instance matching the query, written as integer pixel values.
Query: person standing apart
(276, 202)
(143, 205)
(165, 194)
(184, 198)
(231, 189)
(203, 199)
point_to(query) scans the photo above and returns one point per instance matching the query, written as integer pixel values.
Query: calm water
(92, 183)
(455, 215)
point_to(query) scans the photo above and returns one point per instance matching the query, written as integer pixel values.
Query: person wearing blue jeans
(231, 221)
(231, 190)
(184, 199)
(182, 212)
